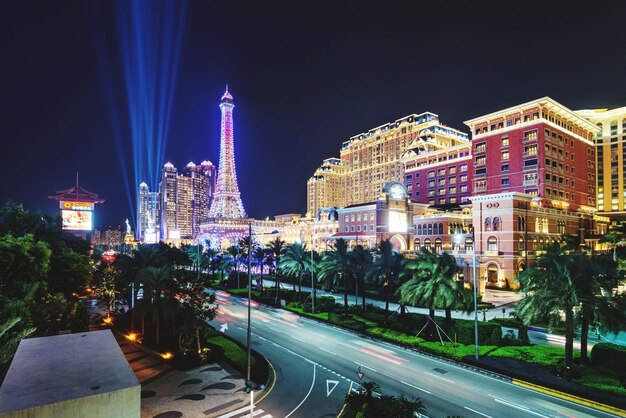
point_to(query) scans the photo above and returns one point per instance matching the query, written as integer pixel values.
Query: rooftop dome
(143, 185)
(191, 164)
(206, 163)
(168, 165)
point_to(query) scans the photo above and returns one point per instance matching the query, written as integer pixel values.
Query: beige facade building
(610, 159)
(371, 159)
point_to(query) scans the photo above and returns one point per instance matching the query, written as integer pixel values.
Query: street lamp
(458, 238)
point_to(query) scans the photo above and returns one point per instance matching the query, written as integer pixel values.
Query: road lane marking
(328, 351)
(415, 387)
(254, 413)
(520, 407)
(274, 329)
(307, 395)
(439, 377)
(373, 354)
(367, 367)
(476, 412)
(299, 339)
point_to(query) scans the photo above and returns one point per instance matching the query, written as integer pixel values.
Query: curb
(571, 398)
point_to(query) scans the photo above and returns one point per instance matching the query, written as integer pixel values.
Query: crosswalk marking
(245, 410)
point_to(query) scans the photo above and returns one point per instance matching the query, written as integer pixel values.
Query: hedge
(612, 356)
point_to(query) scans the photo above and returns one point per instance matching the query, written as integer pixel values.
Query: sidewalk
(206, 391)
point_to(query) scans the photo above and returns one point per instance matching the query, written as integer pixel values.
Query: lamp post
(458, 237)
(312, 281)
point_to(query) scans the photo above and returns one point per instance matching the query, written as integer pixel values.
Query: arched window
(469, 245)
(427, 243)
(417, 244)
(430, 229)
(440, 229)
(438, 245)
(521, 223)
(520, 246)
(488, 224)
(419, 229)
(496, 224)
(492, 244)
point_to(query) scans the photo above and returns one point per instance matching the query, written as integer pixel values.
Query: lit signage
(397, 191)
(68, 205)
(77, 220)
(397, 221)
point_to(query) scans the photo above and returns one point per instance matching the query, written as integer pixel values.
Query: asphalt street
(317, 365)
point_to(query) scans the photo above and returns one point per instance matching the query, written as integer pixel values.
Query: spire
(227, 97)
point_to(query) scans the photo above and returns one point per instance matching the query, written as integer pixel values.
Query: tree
(276, 248)
(385, 271)
(106, 285)
(295, 261)
(335, 268)
(157, 299)
(24, 261)
(234, 252)
(549, 288)
(360, 260)
(10, 337)
(432, 283)
(259, 256)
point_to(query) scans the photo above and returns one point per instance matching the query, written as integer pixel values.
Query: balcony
(480, 188)
(529, 139)
(529, 154)
(533, 182)
(491, 253)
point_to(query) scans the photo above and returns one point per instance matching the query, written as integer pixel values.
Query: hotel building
(370, 160)
(184, 200)
(610, 159)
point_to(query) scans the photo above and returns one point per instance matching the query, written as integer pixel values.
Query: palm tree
(361, 260)
(549, 288)
(433, 283)
(385, 271)
(234, 252)
(158, 298)
(259, 256)
(335, 268)
(408, 408)
(10, 339)
(295, 261)
(276, 248)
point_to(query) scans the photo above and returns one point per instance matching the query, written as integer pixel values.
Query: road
(316, 366)
(506, 301)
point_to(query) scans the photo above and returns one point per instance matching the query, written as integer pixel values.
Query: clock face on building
(396, 192)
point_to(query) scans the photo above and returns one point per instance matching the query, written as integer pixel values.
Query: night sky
(304, 77)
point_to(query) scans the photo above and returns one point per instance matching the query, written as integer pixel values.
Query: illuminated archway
(398, 243)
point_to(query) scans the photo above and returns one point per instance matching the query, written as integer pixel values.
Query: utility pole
(475, 292)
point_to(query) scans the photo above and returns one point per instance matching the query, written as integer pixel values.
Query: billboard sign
(77, 220)
(69, 205)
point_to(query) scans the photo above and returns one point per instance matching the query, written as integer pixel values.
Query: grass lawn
(540, 354)
(232, 352)
(601, 378)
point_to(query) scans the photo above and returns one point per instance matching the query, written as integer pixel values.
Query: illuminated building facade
(390, 217)
(184, 200)
(148, 214)
(436, 166)
(325, 188)
(370, 160)
(539, 148)
(610, 159)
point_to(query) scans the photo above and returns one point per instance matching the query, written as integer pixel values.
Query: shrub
(496, 336)
(212, 353)
(395, 336)
(465, 332)
(609, 355)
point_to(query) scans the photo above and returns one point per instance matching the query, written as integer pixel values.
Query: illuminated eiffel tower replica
(227, 221)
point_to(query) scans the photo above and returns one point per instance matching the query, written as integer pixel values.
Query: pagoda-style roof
(77, 194)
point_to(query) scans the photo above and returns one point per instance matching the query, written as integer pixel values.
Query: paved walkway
(211, 390)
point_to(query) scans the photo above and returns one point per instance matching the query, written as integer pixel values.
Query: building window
(463, 167)
(347, 219)
(521, 223)
(469, 245)
(438, 245)
(505, 168)
(520, 245)
(372, 227)
(481, 160)
(481, 147)
(505, 141)
(427, 243)
(463, 178)
(430, 229)
(496, 224)
(365, 228)
(346, 229)
(417, 244)
(419, 229)
(352, 228)
(440, 229)
(488, 224)
(504, 182)
(505, 155)
(492, 244)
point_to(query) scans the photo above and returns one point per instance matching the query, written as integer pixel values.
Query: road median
(572, 398)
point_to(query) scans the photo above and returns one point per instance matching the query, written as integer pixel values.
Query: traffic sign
(360, 374)
(330, 389)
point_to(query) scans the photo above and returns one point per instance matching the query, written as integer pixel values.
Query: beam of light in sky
(149, 37)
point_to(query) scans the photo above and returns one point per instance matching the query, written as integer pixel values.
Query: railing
(531, 182)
